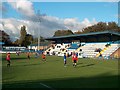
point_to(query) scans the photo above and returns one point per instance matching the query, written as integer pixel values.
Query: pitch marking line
(47, 86)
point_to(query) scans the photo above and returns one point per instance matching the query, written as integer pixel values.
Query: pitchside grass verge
(35, 73)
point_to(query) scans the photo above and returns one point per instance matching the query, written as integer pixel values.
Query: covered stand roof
(104, 36)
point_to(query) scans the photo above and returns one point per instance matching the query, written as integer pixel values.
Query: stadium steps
(102, 51)
(111, 50)
(90, 49)
(78, 49)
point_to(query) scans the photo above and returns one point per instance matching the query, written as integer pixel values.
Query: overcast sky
(44, 18)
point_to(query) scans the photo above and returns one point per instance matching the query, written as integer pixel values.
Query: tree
(25, 39)
(42, 39)
(63, 32)
(78, 32)
(35, 41)
(23, 34)
(28, 40)
(4, 37)
(16, 42)
(102, 26)
(112, 26)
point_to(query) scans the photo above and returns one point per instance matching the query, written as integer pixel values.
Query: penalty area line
(47, 86)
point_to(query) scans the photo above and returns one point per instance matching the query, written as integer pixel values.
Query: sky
(44, 18)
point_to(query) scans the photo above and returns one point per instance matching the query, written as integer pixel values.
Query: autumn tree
(112, 26)
(63, 32)
(78, 32)
(101, 26)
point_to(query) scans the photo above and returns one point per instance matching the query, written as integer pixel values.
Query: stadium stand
(90, 50)
(56, 49)
(95, 49)
(74, 46)
(96, 44)
(112, 48)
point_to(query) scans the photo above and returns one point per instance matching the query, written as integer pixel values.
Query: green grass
(34, 73)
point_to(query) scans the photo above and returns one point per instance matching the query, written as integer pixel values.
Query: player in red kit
(74, 59)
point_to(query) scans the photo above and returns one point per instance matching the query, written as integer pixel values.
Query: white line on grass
(47, 86)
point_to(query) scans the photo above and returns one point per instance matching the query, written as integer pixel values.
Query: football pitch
(35, 73)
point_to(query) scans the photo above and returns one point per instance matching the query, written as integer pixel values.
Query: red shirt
(74, 57)
(43, 56)
(8, 57)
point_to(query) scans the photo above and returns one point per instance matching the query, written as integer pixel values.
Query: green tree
(16, 42)
(28, 40)
(35, 41)
(23, 34)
